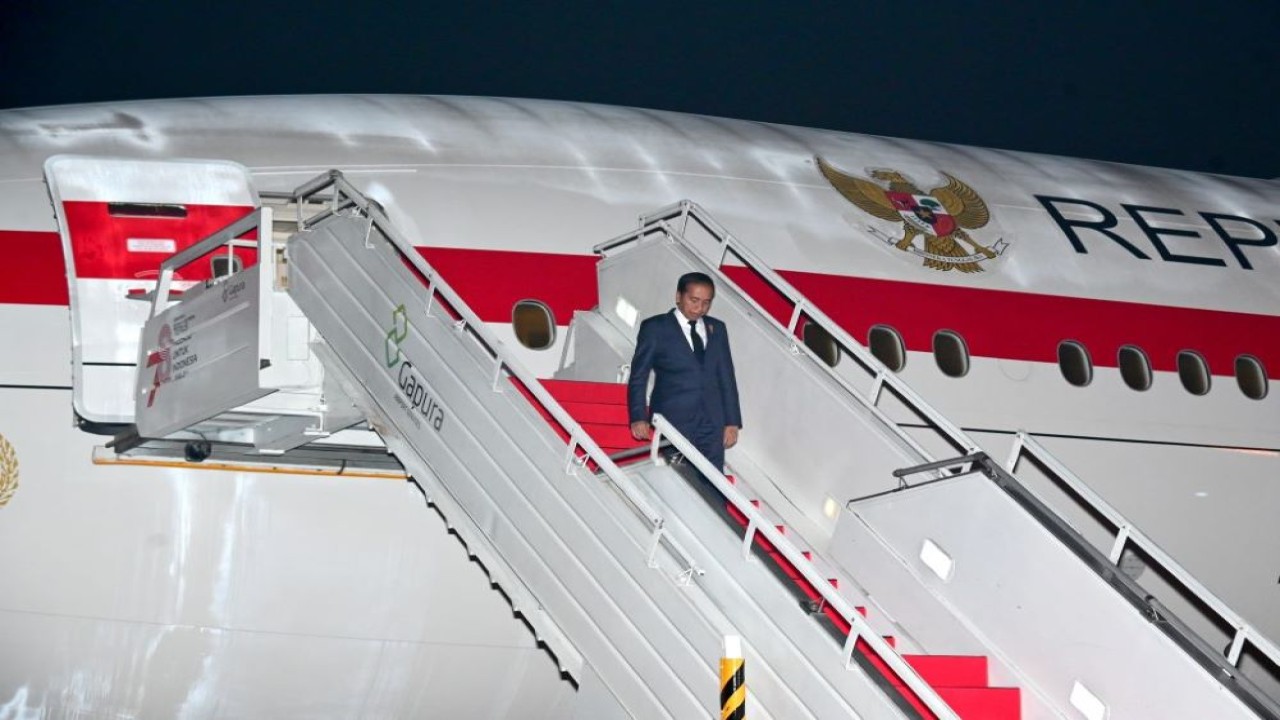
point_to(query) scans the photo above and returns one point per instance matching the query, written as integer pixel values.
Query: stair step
(596, 412)
(587, 392)
(997, 703)
(612, 436)
(955, 671)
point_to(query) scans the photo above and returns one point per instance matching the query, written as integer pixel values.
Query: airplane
(1125, 319)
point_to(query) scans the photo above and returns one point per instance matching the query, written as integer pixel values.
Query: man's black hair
(695, 278)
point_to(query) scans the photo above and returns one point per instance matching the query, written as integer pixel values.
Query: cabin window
(224, 265)
(1135, 367)
(1251, 376)
(1074, 362)
(534, 325)
(817, 339)
(951, 353)
(886, 344)
(1194, 372)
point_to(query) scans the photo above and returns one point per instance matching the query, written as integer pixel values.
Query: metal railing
(229, 237)
(660, 222)
(664, 222)
(346, 197)
(758, 523)
(1243, 632)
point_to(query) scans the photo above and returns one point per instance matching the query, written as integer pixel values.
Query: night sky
(1174, 84)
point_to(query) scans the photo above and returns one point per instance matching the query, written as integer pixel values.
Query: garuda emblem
(8, 471)
(939, 217)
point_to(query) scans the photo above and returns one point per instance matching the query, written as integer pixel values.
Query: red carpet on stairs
(600, 408)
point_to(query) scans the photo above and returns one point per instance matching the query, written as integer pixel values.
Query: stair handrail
(228, 236)
(801, 306)
(658, 222)
(758, 523)
(346, 196)
(1244, 632)
(684, 210)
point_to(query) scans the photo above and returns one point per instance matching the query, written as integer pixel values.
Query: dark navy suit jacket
(684, 391)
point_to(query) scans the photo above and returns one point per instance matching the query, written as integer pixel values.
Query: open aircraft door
(119, 218)
(181, 323)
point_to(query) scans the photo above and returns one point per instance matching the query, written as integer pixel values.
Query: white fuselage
(223, 580)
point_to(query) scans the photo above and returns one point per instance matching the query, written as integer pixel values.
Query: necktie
(699, 350)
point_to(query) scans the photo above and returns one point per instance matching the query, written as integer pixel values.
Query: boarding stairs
(622, 568)
(632, 603)
(904, 516)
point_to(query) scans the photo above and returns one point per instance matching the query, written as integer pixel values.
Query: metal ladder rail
(685, 210)
(346, 196)
(758, 523)
(1244, 634)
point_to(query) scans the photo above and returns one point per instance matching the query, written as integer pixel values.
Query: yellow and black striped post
(733, 682)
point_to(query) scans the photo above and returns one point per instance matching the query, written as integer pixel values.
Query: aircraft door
(118, 219)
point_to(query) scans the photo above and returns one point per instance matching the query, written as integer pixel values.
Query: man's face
(695, 301)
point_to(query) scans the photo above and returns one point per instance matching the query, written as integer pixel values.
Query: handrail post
(1117, 547)
(748, 537)
(850, 642)
(1237, 647)
(796, 311)
(654, 541)
(569, 452)
(1015, 452)
(877, 387)
(497, 374)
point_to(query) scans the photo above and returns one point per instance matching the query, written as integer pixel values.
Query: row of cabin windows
(535, 328)
(1135, 370)
(952, 355)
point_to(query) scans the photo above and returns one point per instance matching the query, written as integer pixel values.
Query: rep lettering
(1160, 227)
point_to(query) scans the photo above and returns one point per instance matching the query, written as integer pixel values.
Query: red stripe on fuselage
(32, 271)
(1028, 326)
(493, 281)
(994, 323)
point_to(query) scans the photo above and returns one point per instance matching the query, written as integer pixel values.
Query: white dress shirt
(684, 327)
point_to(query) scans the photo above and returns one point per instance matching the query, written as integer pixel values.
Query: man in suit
(694, 386)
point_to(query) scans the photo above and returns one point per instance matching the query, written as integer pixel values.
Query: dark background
(1175, 84)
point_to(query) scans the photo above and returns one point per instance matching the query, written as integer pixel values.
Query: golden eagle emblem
(8, 471)
(940, 216)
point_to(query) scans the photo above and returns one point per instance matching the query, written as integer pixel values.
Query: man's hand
(641, 430)
(730, 435)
